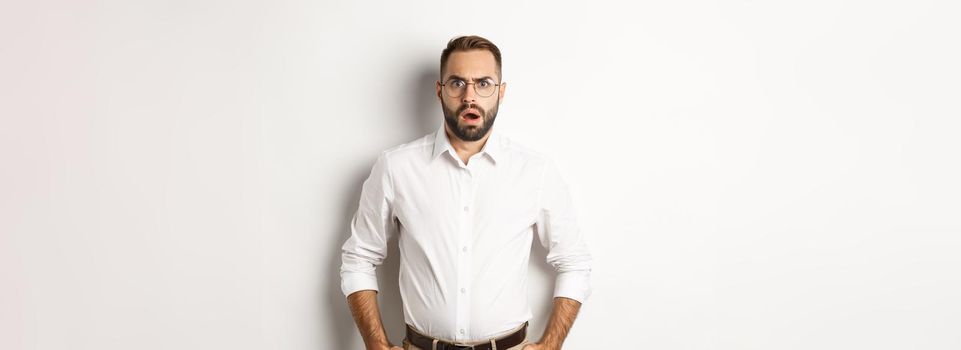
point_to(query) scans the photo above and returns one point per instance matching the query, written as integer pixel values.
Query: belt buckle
(455, 346)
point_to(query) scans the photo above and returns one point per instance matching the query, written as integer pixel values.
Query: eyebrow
(455, 76)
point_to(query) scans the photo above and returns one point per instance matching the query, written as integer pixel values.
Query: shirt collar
(493, 147)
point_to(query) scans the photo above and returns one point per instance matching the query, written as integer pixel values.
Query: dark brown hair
(467, 43)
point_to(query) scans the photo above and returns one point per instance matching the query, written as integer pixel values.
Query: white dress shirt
(465, 234)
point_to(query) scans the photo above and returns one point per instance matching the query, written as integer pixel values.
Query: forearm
(363, 306)
(562, 318)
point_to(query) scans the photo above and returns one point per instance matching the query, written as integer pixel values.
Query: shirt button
(464, 249)
(466, 208)
(463, 290)
(461, 331)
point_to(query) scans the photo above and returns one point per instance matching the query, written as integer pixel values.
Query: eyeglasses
(457, 87)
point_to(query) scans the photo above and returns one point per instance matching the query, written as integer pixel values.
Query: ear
(437, 88)
(503, 89)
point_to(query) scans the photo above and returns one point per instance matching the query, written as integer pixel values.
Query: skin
(470, 65)
(363, 306)
(562, 318)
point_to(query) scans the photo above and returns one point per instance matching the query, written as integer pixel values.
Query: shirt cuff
(351, 282)
(574, 285)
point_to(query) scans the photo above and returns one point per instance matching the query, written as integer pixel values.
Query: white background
(749, 174)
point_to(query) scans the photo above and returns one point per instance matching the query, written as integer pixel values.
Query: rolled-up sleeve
(558, 232)
(370, 228)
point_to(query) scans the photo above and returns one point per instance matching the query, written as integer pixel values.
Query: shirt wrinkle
(465, 233)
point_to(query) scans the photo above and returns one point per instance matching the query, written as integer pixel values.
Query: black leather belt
(505, 342)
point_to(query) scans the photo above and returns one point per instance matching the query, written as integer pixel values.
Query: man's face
(470, 116)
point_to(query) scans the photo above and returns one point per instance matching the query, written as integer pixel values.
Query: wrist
(378, 346)
(548, 345)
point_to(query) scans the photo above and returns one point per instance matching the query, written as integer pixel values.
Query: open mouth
(471, 116)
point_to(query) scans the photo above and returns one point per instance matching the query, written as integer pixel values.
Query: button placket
(464, 263)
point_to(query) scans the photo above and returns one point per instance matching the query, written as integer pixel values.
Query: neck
(466, 149)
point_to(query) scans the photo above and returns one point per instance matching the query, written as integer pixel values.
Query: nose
(470, 96)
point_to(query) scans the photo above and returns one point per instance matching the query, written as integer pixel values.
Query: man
(467, 203)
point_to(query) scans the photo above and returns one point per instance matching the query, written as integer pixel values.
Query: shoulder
(406, 150)
(526, 156)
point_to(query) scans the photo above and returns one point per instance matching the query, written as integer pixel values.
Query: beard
(468, 132)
